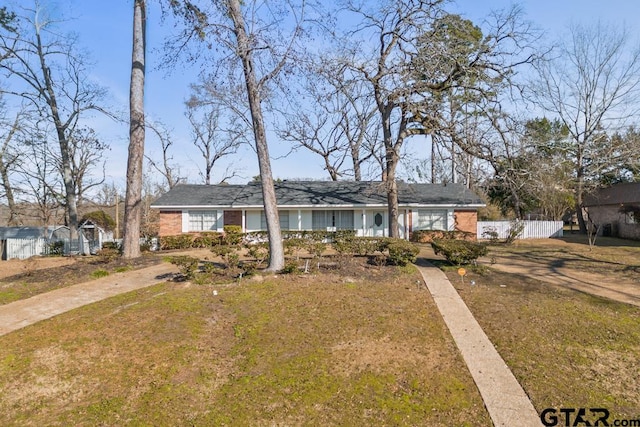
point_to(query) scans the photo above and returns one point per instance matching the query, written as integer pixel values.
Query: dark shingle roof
(316, 193)
(615, 195)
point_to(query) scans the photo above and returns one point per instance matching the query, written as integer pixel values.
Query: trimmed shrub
(402, 252)
(232, 235)
(459, 252)
(188, 265)
(427, 236)
(258, 251)
(228, 253)
(207, 240)
(180, 241)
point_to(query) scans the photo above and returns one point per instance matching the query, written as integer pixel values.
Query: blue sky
(104, 30)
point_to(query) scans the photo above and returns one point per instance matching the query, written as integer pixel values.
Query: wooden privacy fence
(532, 229)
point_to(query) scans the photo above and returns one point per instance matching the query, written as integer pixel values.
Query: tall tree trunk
(276, 249)
(133, 198)
(4, 175)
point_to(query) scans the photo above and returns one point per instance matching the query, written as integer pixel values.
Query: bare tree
(211, 137)
(49, 75)
(592, 87)
(38, 174)
(259, 41)
(133, 199)
(419, 54)
(165, 167)
(9, 159)
(332, 116)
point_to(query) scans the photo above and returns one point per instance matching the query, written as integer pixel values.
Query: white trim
(185, 221)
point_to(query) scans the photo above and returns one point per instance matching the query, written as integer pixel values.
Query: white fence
(25, 248)
(532, 229)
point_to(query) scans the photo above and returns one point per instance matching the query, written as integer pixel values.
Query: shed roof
(27, 232)
(317, 193)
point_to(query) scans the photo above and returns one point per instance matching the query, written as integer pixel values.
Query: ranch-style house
(319, 205)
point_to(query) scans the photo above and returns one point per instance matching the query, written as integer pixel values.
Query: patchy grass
(567, 349)
(363, 346)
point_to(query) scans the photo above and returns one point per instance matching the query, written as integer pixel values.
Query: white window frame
(203, 220)
(431, 219)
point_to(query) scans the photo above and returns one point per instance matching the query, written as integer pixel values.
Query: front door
(379, 224)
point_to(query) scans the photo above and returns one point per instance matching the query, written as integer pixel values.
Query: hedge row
(401, 252)
(428, 236)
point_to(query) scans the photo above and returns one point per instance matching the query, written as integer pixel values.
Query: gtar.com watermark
(583, 417)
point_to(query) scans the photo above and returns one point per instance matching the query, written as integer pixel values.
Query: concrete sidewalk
(506, 401)
(26, 312)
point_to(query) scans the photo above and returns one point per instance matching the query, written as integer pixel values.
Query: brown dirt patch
(14, 266)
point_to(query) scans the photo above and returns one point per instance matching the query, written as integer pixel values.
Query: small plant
(290, 266)
(105, 256)
(294, 245)
(402, 252)
(259, 252)
(379, 259)
(188, 265)
(228, 253)
(459, 252)
(317, 248)
(56, 248)
(99, 273)
(232, 235)
(491, 234)
(516, 229)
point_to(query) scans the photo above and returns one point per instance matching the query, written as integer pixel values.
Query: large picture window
(203, 220)
(431, 220)
(340, 220)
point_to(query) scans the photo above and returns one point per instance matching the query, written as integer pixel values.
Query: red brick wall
(170, 223)
(467, 221)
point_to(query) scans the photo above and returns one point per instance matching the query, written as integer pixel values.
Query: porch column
(299, 219)
(244, 221)
(364, 223)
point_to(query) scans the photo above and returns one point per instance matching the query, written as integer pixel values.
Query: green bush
(228, 253)
(290, 266)
(180, 241)
(232, 235)
(188, 265)
(207, 240)
(56, 248)
(360, 245)
(459, 252)
(258, 251)
(111, 245)
(402, 252)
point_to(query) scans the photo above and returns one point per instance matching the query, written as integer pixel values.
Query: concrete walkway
(506, 401)
(26, 312)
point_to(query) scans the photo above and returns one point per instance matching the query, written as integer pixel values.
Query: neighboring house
(318, 205)
(25, 242)
(616, 210)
